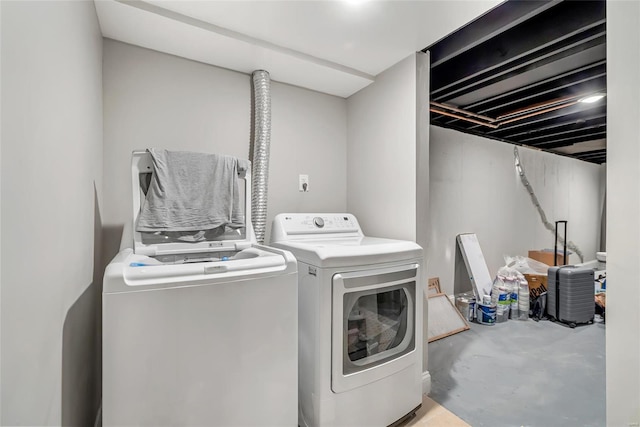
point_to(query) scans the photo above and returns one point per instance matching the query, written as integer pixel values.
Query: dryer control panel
(296, 224)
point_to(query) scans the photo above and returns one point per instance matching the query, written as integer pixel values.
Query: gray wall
(381, 177)
(623, 211)
(476, 189)
(0, 215)
(51, 179)
(423, 70)
(158, 100)
(388, 158)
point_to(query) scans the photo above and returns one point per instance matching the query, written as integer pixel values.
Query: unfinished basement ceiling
(519, 72)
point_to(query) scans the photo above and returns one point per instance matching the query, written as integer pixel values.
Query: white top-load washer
(198, 333)
(360, 321)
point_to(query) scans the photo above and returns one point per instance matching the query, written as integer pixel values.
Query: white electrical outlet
(303, 183)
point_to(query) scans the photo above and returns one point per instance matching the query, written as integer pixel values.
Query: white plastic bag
(525, 265)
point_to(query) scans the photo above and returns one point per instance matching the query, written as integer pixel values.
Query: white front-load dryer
(198, 333)
(360, 321)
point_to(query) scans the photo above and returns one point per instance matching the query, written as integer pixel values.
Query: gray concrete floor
(522, 373)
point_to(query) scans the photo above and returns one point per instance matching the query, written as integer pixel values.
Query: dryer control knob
(319, 222)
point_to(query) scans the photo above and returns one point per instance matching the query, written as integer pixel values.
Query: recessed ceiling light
(592, 98)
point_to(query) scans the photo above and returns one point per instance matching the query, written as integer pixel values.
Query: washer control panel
(298, 224)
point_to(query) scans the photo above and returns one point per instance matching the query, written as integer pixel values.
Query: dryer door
(373, 333)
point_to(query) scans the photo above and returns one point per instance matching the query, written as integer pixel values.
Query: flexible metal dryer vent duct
(260, 148)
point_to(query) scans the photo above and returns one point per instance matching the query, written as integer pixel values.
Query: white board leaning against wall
(475, 263)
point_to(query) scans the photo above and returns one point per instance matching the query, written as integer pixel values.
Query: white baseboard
(426, 382)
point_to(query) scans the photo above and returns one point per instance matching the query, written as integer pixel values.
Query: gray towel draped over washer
(192, 192)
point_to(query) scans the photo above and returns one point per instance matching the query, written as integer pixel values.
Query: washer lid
(354, 251)
(167, 243)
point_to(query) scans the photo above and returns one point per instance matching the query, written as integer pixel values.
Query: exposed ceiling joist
(501, 20)
(521, 81)
(562, 25)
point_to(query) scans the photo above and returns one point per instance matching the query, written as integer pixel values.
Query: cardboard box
(546, 257)
(537, 284)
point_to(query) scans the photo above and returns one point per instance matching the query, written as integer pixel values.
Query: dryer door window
(376, 323)
(373, 324)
